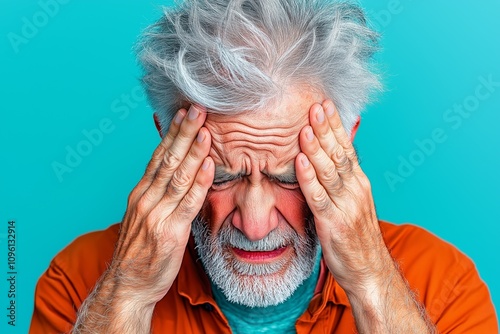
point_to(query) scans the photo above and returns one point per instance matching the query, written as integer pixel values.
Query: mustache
(229, 236)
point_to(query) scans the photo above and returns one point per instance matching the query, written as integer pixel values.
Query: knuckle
(163, 146)
(171, 160)
(330, 175)
(160, 149)
(344, 164)
(337, 185)
(356, 163)
(169, 137)
(351, 154)
(321, 201)
(188, 208)
(144, 204)
(339, 156)
(132, 198)
(138, 191)
(135, 194)
(192, 202)
(180, 181)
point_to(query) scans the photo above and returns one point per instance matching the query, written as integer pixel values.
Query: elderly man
(256, 176)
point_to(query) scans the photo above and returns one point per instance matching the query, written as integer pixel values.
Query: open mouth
(261, 256)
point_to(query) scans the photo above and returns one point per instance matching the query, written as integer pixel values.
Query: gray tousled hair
(240, 55)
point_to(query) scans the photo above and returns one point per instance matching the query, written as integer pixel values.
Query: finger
(184, 176)
(156, 159)
(325, 169)
(186, 211)
(327, 139)
(339, 132)
(165, 143)
(176, 153)
(316, 196)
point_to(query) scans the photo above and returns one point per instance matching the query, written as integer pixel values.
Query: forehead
(266, 139)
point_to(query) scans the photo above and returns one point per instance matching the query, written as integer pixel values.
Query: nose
(256, 214)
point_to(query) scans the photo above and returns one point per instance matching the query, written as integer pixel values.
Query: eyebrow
(288, 176)
(222, 176)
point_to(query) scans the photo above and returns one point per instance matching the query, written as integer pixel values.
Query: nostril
(255, 224)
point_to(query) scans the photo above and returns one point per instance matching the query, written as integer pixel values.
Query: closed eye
(290, 185)
(286, 182)
(223, 182)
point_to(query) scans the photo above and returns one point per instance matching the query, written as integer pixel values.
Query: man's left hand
(339, 196)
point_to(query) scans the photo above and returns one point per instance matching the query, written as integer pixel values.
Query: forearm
(110, 309)
(389, 306)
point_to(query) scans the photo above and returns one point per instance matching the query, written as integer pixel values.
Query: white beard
(256, 285)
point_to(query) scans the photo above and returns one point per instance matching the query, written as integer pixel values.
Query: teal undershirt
(273, 319)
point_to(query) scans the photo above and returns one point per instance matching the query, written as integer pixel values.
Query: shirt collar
(192, 280)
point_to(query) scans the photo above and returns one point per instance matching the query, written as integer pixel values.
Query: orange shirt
(445, 281)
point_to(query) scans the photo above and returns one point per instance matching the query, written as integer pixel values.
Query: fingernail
(200, 137)
(206, 164)
(320, 116)
(309, 134)
(305, 161)
(330, 109)
(178, 118)
(193, 113)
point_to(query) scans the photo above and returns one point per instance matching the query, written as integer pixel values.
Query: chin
(255, 274)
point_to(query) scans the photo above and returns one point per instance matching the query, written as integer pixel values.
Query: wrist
(113, 308)
(124, 294)
(370, 290)
(379, 305)
(374, 281)
(372, 274)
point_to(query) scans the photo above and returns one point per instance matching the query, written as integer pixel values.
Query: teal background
(77, 70)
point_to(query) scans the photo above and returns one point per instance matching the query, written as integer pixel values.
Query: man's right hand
(155, 229)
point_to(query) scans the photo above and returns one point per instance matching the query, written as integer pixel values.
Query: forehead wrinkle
(260, 137)
(266, 144)
(220, 156)
(241, 158)
(257, 126)
(261, 140)
(273, 141)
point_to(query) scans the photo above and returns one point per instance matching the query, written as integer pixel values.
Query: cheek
(218, 206)
(292, 205)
